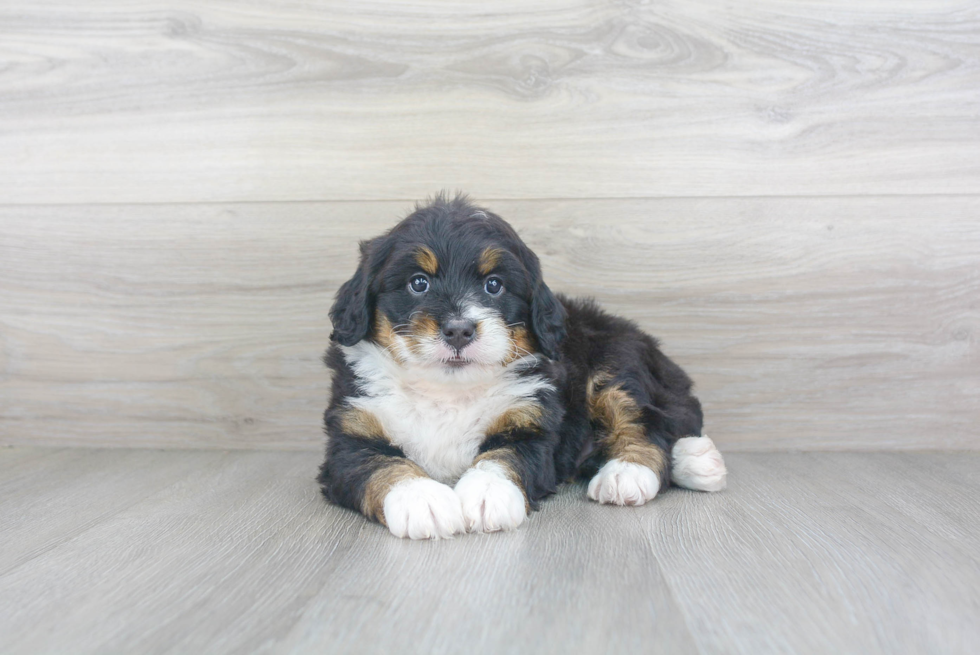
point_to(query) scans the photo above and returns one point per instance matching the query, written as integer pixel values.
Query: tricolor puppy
(464, 390)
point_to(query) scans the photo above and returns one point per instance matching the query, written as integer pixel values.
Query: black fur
(599, 341)
(351, 312)
(577, 338)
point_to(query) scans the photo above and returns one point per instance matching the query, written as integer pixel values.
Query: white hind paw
(697, 464)
(624, 483)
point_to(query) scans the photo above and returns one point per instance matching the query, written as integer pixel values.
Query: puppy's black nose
(458, 332)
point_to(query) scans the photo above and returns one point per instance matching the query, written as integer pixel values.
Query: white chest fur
(438, 418)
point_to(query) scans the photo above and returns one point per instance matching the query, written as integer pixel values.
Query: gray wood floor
(209, 551)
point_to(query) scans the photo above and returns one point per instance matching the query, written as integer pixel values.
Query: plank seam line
(481, 199)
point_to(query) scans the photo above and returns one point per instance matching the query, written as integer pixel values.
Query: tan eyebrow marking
(426, 259)
(489, 259)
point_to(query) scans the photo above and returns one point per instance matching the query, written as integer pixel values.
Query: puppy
(464, 390)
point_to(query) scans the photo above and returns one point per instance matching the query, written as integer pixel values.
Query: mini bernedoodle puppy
(464, 390)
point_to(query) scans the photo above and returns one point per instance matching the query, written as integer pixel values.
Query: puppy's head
(451, 287)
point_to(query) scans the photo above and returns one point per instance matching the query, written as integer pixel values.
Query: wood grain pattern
(254, 529)
(526, 591)
(12, 457)
(76, 488)
(828, 552)
(841, 323)
(855, 573)
(209, 101)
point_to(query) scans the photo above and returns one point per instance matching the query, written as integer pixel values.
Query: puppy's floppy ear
(548, 320)
(354, 305)
(547, 313)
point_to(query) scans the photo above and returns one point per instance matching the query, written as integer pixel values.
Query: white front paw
(624, 483)
(491, 501)
(421, 508)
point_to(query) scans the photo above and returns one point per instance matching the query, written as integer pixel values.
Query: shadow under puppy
(454, 364)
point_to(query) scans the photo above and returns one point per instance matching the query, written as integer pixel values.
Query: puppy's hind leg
(697, 464)
(620, 482)
(636, 466)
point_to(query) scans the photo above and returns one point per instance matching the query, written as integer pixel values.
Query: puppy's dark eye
(419, 284)
(493, 286)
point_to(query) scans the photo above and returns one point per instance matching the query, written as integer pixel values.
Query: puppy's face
(453, 302)
(450, 288)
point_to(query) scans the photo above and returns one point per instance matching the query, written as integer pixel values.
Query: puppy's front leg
(365, 472)
(505, 482)
(417, 507)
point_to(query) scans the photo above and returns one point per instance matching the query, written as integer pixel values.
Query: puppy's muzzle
(458, 332)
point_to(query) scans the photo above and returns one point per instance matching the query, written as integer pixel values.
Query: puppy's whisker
(523, 353)
(389, 350)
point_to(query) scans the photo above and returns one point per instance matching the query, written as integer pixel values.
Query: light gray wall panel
(184, 101)
(806, 323)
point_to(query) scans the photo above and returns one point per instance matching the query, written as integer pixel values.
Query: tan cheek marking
(506, 458)
(423, 329)
(625, 437)
(488, 261)
(362, 423)
(385, 336)
(426, 259)
(390, 473)
(520, 344)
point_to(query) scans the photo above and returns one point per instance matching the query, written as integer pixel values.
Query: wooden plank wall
(786, 193)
